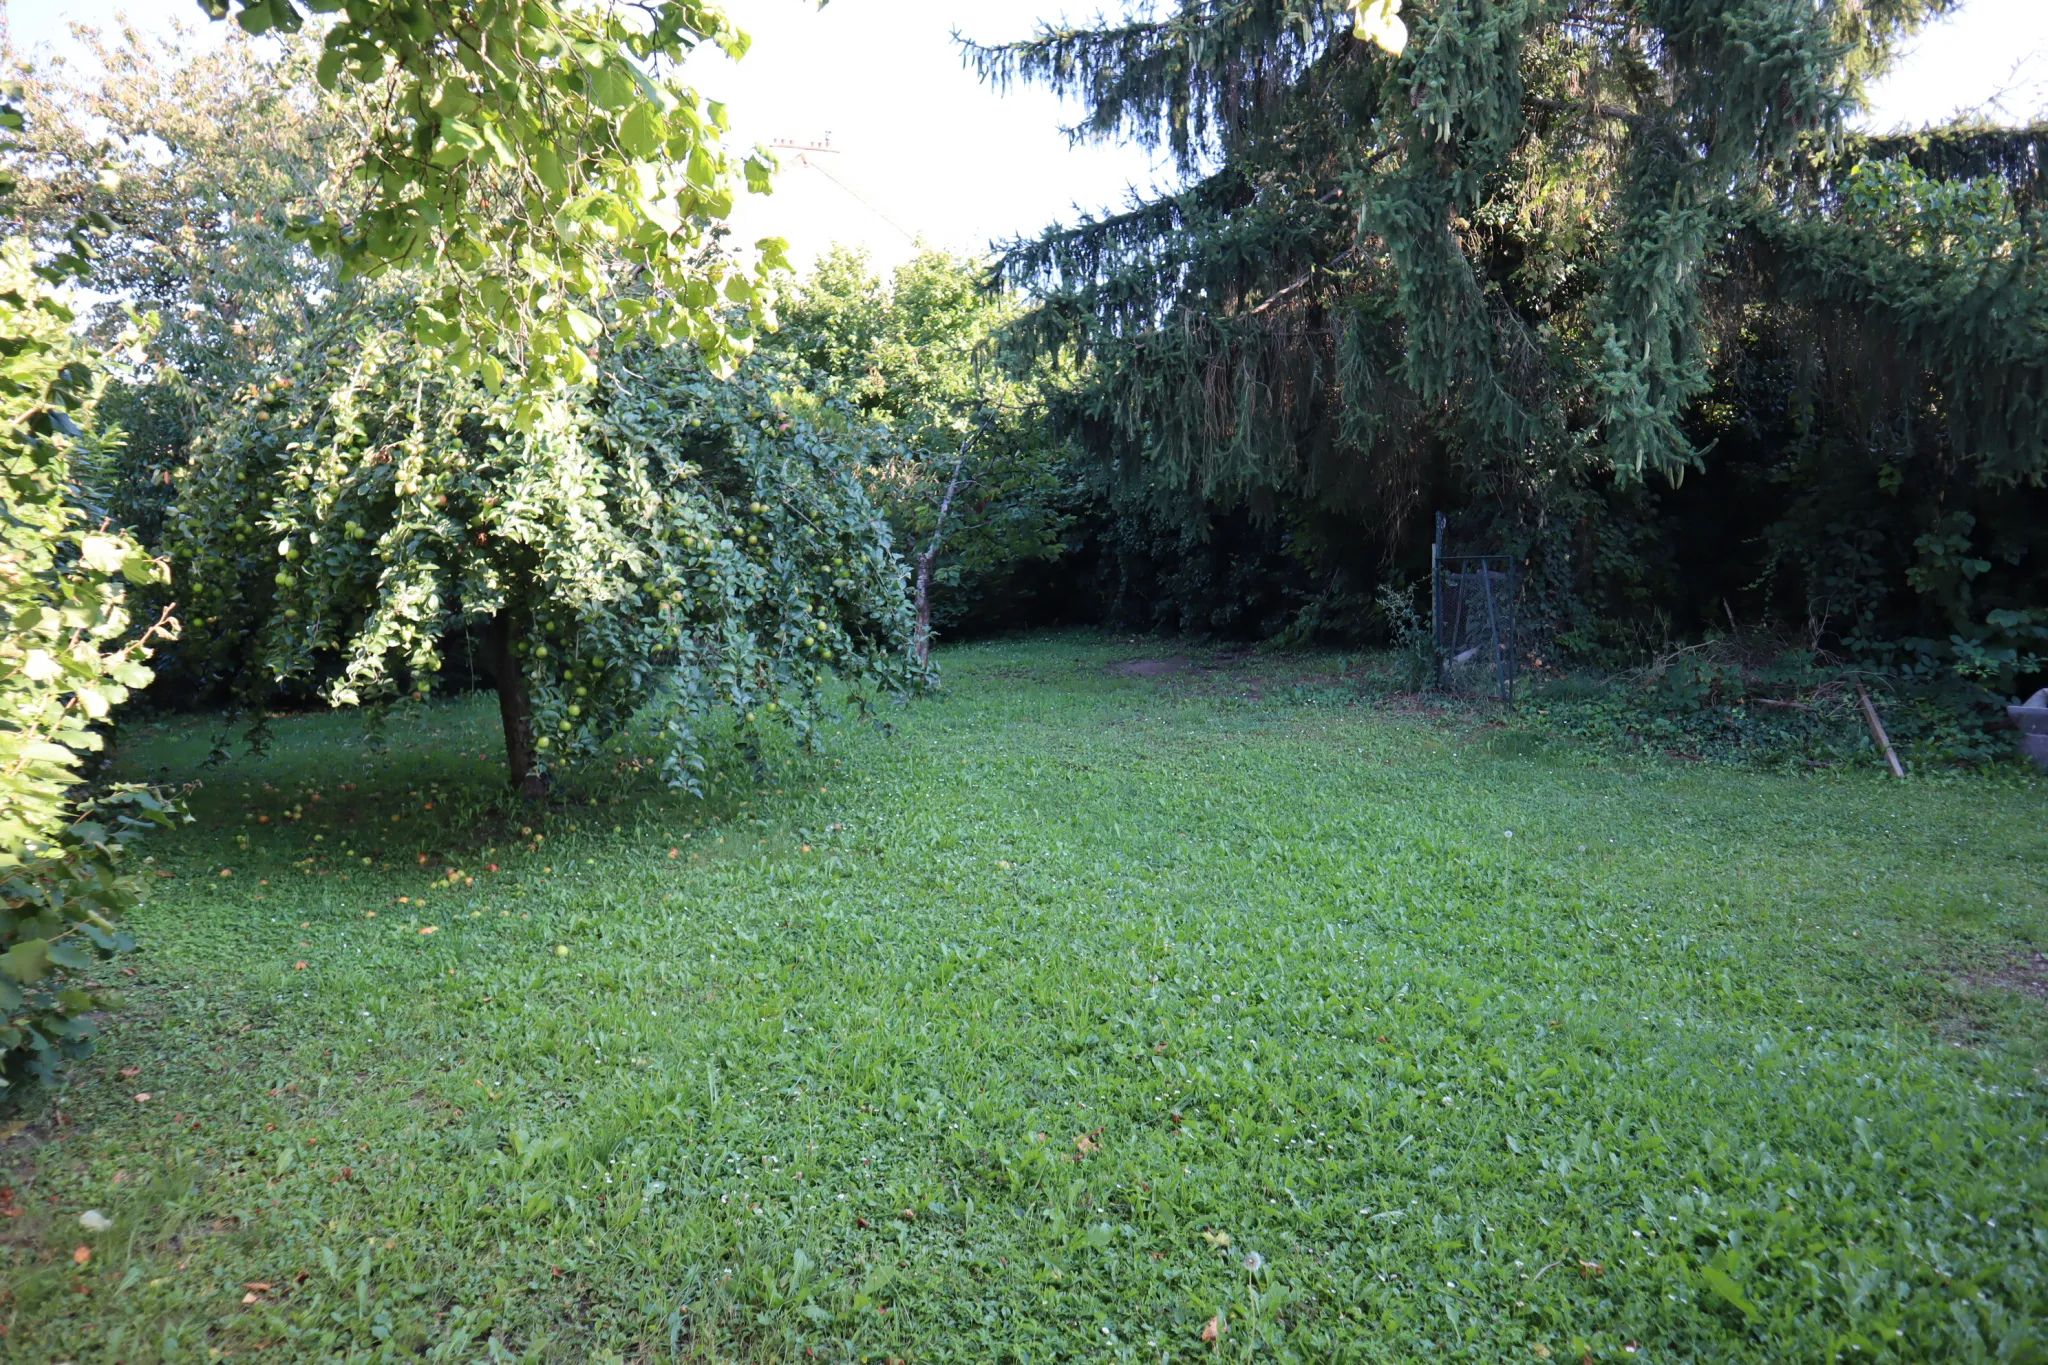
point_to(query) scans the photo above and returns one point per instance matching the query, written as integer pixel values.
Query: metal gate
(1472, 615)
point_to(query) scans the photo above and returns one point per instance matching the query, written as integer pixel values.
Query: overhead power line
(806, 151)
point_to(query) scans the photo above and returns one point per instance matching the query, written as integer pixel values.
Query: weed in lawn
(1773, 710)
(1218, 1014)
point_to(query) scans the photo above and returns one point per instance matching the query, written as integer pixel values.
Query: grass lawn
(1078, 1014)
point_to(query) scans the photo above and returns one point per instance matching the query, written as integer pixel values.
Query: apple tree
(662, 545)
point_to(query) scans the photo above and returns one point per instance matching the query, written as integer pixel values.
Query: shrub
(68, 655)
(1763, 703)
(1409, 634)
(58, 908)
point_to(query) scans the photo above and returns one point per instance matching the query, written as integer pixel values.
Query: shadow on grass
(430, 785)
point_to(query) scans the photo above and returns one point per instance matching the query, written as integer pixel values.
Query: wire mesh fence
(1472, 614)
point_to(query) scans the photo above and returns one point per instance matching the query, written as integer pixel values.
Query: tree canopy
(664, 546)
(1542, 253)
(572, 490)
(922, 356)
(196, 159)
(547, 170)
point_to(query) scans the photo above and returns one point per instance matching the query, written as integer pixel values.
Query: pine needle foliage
(1509, 269)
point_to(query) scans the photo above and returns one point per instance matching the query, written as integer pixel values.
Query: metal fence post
(1493, 629)
(1514, 659)
(1436, 605)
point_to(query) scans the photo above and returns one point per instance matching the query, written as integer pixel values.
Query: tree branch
(921, 642)
(1604, 111)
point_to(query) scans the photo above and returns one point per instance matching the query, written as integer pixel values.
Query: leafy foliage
(1773, 706)
(69, 654)
(922, 358)
(196, 157)
(393, 257)
(541, 164)
(193, 160)
(1415, 649)
(668, 540)
(1551, 267)
(60, 901)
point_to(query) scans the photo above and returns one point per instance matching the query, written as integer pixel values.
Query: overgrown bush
(62, 903)
(1414, 646)
(69, 654)
(1773, 705)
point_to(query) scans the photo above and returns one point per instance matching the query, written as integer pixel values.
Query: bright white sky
(923, 150)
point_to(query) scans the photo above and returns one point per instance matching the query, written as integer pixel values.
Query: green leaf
(1724, 1285)
(454, 101)
(611, 87)
(45, 752)
(494, 137)
(580, 327)
(547, 164)
(462, 136)
(69, 953)
(640, 132)
(330, 68)
(27, 962)
(701, 169)
(652, 90)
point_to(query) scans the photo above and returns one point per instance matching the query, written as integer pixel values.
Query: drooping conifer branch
(1540, 189)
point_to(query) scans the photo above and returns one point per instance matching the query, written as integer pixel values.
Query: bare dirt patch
(1279, 676)
(1152, 668)
(2028, 975)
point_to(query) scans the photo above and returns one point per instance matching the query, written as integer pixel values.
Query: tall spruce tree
(1522, 267)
